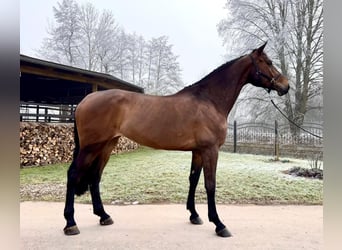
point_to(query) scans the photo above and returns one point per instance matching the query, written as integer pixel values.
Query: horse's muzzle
(282, 90)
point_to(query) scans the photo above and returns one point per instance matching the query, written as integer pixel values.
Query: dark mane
(214, 72)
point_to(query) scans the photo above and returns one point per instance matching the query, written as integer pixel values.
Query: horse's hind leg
(100, 162)
(70, 228)
(80, 162)
(98, 209)
(196, 168)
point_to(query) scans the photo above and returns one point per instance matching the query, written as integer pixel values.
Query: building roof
(48, 82)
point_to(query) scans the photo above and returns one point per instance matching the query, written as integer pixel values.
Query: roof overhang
(48, 82)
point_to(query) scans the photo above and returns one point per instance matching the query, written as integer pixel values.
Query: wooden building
(50, 91)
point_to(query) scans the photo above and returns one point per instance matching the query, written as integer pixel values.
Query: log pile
(45, 143)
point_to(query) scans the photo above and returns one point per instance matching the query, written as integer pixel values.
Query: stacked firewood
(45, 143)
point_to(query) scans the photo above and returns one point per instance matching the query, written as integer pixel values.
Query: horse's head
(264, 74)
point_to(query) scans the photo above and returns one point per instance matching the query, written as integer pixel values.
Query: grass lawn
(158, 176)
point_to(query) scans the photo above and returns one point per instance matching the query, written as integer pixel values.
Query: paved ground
(167, 227)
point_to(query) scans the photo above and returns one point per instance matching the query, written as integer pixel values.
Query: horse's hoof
(196, 221)
(106, 222)
(223, 233)
(73, 230)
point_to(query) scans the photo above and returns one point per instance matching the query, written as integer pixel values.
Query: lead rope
(281, 112)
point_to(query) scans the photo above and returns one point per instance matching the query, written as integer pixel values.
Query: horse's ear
(261, 49)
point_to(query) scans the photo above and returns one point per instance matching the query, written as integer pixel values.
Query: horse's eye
(269, 63)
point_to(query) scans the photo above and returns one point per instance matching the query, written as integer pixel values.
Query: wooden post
(235, 136)
(95, 87)
(37, 113)
(46, 118)
(276, 141)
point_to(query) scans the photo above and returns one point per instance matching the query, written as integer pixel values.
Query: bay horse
(193, 119)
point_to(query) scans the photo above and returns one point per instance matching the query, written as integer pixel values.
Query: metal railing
(33, 112)
(267, 133)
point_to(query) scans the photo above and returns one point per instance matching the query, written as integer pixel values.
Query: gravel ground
(35, 192)
(167, 227)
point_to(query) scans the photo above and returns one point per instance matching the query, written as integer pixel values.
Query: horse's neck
(223, 89)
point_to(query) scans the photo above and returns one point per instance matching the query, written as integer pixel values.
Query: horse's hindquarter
(177, 122)
(99, 115)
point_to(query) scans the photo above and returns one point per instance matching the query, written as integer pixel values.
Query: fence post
(235, 136)
(46, 118)
(276, 141)
(37, 111)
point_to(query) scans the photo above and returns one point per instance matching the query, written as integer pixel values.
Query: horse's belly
(161, 139)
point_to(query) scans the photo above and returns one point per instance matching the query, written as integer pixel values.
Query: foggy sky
(190, 26)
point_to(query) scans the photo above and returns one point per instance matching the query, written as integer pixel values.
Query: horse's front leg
(210, 157)
(195, 173)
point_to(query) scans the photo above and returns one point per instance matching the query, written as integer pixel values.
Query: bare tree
(136, 52)
(89, 18)
(306, 56)
(84, 37)
(62, 43)
(120, 63)
(106, 38)
(141, 47)
(163, 68)
(294, 29)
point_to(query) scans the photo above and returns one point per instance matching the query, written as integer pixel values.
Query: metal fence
(274, 139)
(32, 112)
(269, 133)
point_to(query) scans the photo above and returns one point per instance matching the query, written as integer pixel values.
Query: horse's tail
(76, 140)
(79, 179)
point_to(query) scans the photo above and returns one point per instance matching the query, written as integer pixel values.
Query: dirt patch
(313, 173)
